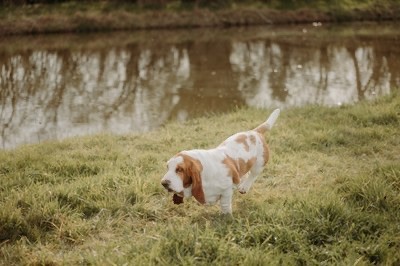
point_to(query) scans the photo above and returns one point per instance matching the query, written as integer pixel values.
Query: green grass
(330, 195)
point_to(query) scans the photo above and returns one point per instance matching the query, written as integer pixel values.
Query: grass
(85, 16)
(330, 195)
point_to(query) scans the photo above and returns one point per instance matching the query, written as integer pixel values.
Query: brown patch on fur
(245, 166)
(233, 171)
(242, 167)
(266, 154)
(266, 149)
(253, 139)
(238, 168)
(189, 171)
(242, 139)
(261, 129)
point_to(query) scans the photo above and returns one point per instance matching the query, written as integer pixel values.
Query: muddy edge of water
(58, 22)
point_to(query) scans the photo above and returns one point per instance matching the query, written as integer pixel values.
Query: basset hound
(211, 175)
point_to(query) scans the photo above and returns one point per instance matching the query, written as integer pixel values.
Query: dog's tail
(267, 125)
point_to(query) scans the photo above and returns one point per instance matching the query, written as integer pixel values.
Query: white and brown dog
(210, 175)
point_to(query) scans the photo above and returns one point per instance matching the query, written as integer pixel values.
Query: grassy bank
(73, 16)
(330, 195)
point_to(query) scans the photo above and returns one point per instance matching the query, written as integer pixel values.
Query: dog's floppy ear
(194, 169)
(197, 186)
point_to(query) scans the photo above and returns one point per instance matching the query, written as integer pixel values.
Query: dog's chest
(214, 188)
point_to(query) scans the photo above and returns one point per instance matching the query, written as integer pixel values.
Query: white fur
(272, 119)
(176, 183)
(217, 183)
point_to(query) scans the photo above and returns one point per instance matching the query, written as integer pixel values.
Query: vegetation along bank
(330, 195)
(51, 16)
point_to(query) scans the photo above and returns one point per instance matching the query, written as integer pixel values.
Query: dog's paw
(245, 185)
(242, 188)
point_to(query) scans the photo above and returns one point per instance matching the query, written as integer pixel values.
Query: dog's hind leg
(246, 184)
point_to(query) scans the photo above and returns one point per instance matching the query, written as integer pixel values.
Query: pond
(58, 86)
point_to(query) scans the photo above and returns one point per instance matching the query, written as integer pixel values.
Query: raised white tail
(267, 125)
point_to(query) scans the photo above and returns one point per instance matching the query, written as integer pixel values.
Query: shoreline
(59, 21)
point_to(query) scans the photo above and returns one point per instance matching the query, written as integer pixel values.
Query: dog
(211, 175)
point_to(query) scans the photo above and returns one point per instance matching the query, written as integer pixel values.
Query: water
(57, 86)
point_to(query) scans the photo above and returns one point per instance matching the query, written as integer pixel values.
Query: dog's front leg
(226, 201)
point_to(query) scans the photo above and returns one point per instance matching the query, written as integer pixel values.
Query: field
(329, 196)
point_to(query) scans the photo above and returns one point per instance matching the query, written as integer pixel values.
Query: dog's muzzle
(166, 184)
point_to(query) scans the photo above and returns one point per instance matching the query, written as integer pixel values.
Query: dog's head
(184, 172)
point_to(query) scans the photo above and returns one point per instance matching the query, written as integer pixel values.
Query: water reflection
(275, 75)
(135, 82)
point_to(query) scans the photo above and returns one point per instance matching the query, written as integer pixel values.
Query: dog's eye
(179, 170)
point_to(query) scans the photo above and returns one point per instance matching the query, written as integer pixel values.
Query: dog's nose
(165, 183)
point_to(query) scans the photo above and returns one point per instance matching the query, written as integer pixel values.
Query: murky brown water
(52, 87)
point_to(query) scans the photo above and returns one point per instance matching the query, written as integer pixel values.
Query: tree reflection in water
(124, 85)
